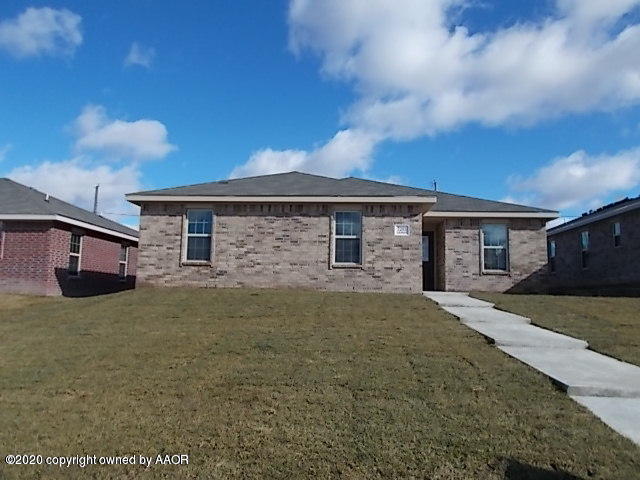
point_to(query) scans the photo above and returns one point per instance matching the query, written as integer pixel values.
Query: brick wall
(36, 257)
(268, 245)
(24, 261)
(527, 256)
(608, 266)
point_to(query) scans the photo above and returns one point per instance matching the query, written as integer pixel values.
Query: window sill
(195, 263)
(496, 272)
(347, 265)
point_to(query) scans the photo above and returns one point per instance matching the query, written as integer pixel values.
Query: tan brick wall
(527, 256)
(269, 245)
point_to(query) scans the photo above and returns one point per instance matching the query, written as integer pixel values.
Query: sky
(533, 102)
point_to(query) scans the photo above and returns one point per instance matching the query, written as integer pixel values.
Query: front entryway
(428, 262)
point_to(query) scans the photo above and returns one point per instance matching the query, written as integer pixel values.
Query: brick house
(349, 234)
(50, 247)
(598, 252)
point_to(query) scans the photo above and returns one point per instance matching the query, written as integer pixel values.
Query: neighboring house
(600, 251)
(50, 247)
(349, 234)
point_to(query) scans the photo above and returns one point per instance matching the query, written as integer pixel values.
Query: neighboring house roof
(19, 202)
(296, 184)
(602, 213)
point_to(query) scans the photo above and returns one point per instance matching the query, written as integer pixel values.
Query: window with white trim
(584, 249)
(75, 253)
(552, 256)
(347, 238)
(199, 235)
(495, 247)
(617, 234)
(123, 262)
(1, 240)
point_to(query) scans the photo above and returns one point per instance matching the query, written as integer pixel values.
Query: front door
(428, 264)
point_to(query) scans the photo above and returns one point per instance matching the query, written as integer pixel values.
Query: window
(123, 261)
(1, 240)
(495, 247)
(425, 248)
(584, 247)
(617, 233)
(199, 233)
(75, 251)
(552, 256)
(348, 238)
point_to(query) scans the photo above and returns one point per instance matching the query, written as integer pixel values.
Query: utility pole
(95, 200)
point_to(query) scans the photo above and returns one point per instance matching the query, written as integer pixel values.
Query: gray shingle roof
(18, 199)
(604, 212)
(304, 184)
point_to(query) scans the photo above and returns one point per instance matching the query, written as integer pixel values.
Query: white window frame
(79, 254)
(584, 250)
(334, 236)
(617, 234)
(186, 235)
(2, 237)
(552, 256)
(506, 248)
(125, 262)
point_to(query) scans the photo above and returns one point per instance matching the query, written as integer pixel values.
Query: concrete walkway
(607, 387)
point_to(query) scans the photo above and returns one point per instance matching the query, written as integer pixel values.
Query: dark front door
(428, 264)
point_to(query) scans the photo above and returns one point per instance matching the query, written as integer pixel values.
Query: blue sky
(534, 102)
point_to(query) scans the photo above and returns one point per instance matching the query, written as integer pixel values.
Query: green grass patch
(611, 325)
(284, 384)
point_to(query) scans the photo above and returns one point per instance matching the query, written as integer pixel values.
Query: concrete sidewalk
(607, 387)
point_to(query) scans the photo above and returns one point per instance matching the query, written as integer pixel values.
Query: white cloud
(417, 73)
(74, 180)
(137, 140)
(417, 70)
(579, 180)
(140, 55)
(4, 150)
(39, 31)
(348, 150)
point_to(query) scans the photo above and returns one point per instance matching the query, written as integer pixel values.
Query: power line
(121, 214)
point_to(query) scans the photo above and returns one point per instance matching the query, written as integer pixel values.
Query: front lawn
(283, 384)
(611, 325)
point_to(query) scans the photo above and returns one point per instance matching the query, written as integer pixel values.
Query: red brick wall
(36, 258)
(24, 266)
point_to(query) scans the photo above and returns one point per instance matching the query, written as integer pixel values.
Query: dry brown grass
(284, 384)
(611, 325)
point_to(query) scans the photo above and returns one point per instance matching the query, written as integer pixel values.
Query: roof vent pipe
(46, 197)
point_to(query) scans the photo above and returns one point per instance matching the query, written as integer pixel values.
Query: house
(50, 247)
(300, 230)
(597, 252)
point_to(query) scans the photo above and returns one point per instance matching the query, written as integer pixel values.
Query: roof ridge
(236, 179)
(48, 205)
(393, 184)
